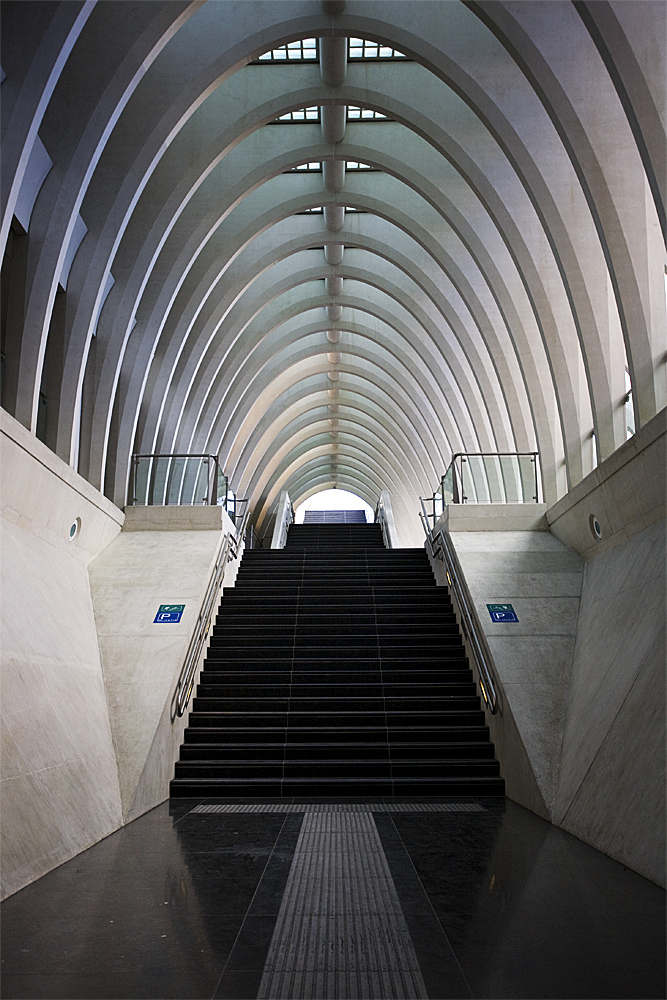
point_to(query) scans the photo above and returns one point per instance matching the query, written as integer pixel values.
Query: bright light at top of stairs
(334, 500)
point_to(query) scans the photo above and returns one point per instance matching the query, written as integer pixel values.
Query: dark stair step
(380, 703)
(285, 689)
(341, 786)
(333, 768)
(444, 661)
(336, 720)
(361, 751)
(327, 735)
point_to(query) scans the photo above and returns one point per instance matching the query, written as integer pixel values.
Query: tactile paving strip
(340, 931)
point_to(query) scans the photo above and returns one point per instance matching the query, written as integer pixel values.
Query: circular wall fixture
(596, 529)
(74, 529)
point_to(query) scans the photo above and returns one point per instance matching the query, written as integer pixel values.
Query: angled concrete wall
(583, 671)
(165, 555)
(611, 789)
(60, 787)
(87, 679)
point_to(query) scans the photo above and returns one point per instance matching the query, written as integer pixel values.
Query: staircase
(335, 667)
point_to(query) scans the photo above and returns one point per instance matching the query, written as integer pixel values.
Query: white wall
(87, 680)
(164, 555)
(60, 790)
(583, 673)
(541, 578)
(611, 789)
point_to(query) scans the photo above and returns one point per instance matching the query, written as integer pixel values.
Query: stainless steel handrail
(442, 548)
(227, 552)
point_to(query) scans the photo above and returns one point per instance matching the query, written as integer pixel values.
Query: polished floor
(386, 899)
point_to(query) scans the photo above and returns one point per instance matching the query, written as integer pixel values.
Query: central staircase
(336, 667)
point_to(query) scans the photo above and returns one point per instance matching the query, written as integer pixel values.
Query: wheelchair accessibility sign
(168, 613)
(502, 613)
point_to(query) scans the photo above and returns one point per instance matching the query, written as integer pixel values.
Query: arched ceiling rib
(502, 266)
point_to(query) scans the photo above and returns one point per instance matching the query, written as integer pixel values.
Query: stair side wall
(611, 790)
(588, 696)
(60, 789)
(541, 579)
(164, 555)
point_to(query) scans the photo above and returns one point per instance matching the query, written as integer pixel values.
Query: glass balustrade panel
(493, 479)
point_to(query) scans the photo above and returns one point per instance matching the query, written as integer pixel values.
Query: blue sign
(502, 613)
(169, 613)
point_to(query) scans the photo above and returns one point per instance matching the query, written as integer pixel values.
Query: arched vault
(186, 270)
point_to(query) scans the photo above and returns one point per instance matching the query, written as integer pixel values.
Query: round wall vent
(74, 529)
(596, 529)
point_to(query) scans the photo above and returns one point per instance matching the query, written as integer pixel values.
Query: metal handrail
(227, 552)
(442, 548)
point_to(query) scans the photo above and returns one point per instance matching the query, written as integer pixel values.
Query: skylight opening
(364, 114)
(363, 48)
(300, 115)
(310, 168)
(355, 165)
(303, 48)
(316, 210)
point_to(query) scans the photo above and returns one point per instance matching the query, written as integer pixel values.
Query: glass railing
(189, 480)
(487, 477)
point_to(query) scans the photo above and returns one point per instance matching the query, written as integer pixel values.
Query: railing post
(284, 517)
(133, 481)
(385, 516)
(456, 498)
(212, 480)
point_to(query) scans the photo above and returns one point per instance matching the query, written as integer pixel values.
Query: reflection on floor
(365, 898)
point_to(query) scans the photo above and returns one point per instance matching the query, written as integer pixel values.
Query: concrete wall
(87, 680)
(581, 730)
(542, 579)
(60, 790)
(626, 493)
(611, 789)
(164, 555)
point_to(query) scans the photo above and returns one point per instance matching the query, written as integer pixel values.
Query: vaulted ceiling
(486, 274)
